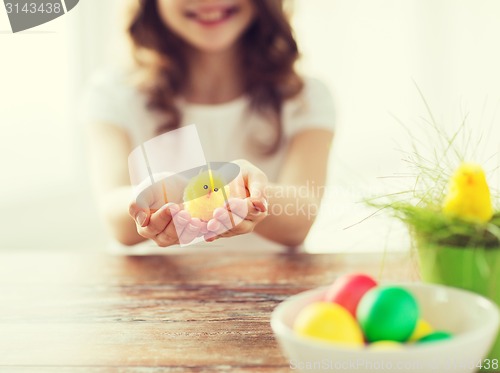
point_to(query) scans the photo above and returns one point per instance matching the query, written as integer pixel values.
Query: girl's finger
(245, 209)
(181, 220)
(210, 236)
(139, 214)
(259, 205)
(256, 210)
(159, 220)
(151, 196)
(244, 227)
(171, 233)
(168, 236)
(225, 218)
(256, 183)
(190, 232)
(237, 187)
(203, 227)
(216, 227)
(238, 206)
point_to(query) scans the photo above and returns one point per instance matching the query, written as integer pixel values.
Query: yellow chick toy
(468, 195)
(203, 194)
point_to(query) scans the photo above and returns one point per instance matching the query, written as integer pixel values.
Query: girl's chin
(213, 46)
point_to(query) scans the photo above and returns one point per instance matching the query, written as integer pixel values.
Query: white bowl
(473, 320)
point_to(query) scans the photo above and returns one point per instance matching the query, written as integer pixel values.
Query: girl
(228, 66)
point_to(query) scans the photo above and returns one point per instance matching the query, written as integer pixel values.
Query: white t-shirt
(226, 130)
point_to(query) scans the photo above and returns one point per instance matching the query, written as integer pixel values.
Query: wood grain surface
(197, 312)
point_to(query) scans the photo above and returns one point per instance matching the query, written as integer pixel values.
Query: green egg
(388, 313)
(435, 336)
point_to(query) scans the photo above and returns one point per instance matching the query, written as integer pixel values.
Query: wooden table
(209, 312)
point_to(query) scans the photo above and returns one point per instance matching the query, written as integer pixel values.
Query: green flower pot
(473, 269)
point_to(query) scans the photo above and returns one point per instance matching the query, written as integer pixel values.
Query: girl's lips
(212, 16)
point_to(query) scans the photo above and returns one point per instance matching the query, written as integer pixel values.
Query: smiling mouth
(212, 16)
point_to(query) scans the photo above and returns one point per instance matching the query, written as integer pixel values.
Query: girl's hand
(166, 224)
(170, 225)
(242, 214)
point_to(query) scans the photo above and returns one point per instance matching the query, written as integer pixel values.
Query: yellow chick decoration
(468, 195)
(203, 194)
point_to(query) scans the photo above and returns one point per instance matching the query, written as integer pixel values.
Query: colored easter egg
(422, 329)
(328, 322)
(385, 346)
(435, 336)
(387, 313)
(348, 290)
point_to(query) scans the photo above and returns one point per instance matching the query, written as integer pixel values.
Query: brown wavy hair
(269, 55)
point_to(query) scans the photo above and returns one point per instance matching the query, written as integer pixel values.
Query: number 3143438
(34, 8)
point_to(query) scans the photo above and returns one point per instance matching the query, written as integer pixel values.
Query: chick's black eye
(216, 189)
(205, 186)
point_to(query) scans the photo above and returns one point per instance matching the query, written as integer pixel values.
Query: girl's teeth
(212, 16)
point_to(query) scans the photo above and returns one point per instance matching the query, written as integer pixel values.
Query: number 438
(488, 364)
